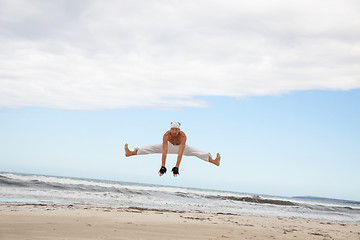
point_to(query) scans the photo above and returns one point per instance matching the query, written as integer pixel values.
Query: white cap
(175, 125)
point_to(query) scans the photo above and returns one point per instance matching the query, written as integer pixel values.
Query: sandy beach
(54, 221)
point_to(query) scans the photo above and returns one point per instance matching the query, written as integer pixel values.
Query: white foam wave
(119, 185)
(163, 197)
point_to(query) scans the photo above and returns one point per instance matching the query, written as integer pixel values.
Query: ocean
(26, 188)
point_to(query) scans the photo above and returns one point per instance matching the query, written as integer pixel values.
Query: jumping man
(174, 142)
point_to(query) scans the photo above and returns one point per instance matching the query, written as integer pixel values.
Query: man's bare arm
(181, 151)
(164, 150)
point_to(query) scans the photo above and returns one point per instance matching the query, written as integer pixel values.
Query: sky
(273, 86)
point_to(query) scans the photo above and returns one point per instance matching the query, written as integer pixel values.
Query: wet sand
(54, 221)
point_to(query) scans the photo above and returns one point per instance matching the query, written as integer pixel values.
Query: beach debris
(289, 230)
(321, 234)
(196, 218)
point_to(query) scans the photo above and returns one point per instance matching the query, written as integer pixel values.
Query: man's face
(174, 131)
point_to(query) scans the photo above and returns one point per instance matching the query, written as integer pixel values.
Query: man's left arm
(181, 151)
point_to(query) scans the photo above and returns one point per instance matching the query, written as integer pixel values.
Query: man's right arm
(164, 150)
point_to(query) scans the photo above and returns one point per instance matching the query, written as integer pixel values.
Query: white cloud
(166, 54)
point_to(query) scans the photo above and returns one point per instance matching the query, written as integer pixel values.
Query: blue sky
(303, 143)
(273, 86)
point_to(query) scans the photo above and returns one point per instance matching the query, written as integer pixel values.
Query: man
(174, 142)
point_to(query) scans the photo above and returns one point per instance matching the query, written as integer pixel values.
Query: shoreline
(59, 204)
(66, 190)
(79, 221)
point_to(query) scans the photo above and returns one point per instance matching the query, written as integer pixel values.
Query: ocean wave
(58, 183)
(254, 199)
(98, 186)
(92, 191)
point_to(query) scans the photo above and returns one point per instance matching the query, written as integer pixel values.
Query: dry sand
(50, 221)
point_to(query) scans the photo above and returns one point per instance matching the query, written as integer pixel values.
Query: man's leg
(191, 151)
(149, 149)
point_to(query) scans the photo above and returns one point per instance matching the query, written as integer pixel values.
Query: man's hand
(175, 171)
(162, 171)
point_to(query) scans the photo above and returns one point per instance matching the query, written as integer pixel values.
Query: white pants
(174, 149)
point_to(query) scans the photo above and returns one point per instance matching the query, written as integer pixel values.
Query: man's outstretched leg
(129, 153)
(215, 161)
